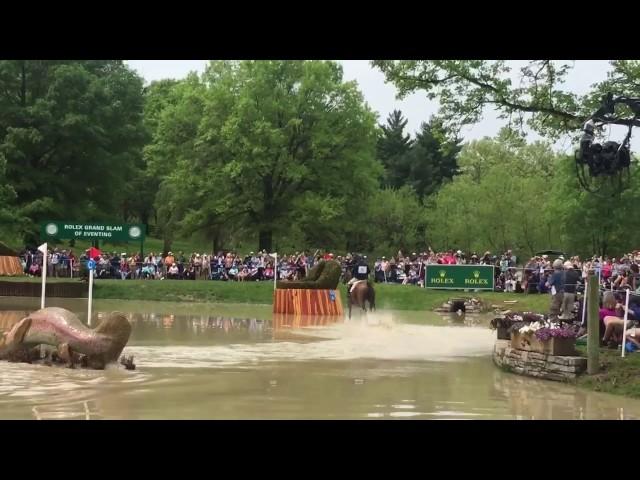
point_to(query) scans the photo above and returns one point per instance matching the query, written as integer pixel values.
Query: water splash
(377, 336)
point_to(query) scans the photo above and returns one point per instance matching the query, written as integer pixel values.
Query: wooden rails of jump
(307, 302)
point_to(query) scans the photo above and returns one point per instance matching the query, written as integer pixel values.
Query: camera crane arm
(605, 115)
(610, 158)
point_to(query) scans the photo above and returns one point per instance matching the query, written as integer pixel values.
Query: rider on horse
(360, 272)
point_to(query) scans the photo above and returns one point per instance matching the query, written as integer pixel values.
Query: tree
(70, 132)
(392, 149)
(158, 95)
(603, 224)
(143, 183)
(465, 88)
(295, 134)
(432, 159)
(397, 220)
(8, 216)
(500, 200)
(525, 197)
(174, 114)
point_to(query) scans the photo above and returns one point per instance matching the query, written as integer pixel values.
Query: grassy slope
(396, 297)
(620, 376)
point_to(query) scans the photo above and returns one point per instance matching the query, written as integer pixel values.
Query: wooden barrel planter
(54, 289)
(307, 302)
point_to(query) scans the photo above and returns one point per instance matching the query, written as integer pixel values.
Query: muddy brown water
(197, 361)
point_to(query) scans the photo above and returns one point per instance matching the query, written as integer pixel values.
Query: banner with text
(112, 232)
(459, 277)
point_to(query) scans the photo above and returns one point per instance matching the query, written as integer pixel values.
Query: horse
(362, 292)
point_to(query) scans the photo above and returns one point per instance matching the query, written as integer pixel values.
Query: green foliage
(534, 96)
(296, 127)
(267, 146)
(173, 112)
(521, 196)
(423, 164)
(432, 159)
(325, 275)
(5, 251)
(464, 88)
(499, 201)
(286, 153)
(397, 220)
(603, 223)
(141, 187)
(392, 148)
(8, 217)
(70, 132)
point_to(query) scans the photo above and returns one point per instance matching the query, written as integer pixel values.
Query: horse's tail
(371, 297)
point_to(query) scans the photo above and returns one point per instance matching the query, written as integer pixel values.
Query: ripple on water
(50, 386)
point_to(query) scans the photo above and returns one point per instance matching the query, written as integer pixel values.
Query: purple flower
(546, 333)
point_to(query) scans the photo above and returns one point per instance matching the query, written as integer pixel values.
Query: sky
(381, 96)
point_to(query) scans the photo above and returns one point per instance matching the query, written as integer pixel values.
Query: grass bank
(395, 297)
(392, 297)
(619, 376)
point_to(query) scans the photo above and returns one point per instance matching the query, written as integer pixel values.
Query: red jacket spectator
(449, 260)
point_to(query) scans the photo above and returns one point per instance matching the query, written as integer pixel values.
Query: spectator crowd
(225, 266)
(531, 276)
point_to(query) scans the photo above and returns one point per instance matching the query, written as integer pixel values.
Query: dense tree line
(71, 136)
(287, 154)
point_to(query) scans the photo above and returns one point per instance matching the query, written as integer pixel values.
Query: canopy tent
(10, 264)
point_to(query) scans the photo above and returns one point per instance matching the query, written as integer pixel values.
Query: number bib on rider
(362, 270)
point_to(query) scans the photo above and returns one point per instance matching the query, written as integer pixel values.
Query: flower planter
(554, 346)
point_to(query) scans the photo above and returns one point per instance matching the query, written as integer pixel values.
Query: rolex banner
(111, 232)
(459, 277)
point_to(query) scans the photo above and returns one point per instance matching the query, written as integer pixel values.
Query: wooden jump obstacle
(307, 302)
(10, 266)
